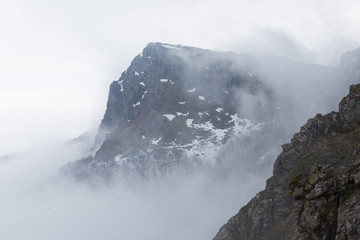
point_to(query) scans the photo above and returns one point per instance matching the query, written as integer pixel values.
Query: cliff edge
(314, 190)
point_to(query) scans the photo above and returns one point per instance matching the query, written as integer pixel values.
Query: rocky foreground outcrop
(328, 203)
(314, 190)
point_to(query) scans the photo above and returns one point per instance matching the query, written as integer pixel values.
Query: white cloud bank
(37, 203)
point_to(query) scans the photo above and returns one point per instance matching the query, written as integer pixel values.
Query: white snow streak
(169, 116)
(191, 90)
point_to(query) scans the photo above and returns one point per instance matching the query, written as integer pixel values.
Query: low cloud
(39, 203)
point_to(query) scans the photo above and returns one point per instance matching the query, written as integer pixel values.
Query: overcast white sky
(57, 58)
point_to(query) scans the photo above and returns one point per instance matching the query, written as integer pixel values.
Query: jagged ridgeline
(176, 107)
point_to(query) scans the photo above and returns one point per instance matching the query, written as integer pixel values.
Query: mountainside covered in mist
(314, 190)
(174, 106)
(186, 108)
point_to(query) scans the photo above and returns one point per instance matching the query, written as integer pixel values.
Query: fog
(57, 61)
(58, 58)
(39, 203)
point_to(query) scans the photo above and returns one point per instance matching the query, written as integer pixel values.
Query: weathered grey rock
(172, 97)
(316, 172)
(175, 107)
(349, 108)
(348, 220)
(332, 210)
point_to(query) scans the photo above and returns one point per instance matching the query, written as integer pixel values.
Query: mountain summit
(180, 108)
(173, 107)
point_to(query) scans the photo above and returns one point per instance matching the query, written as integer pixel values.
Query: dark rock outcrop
(328, 203)
(319, 205)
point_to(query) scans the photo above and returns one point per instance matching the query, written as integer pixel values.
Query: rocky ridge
(175, 107)
(187, 108)
(325, 201)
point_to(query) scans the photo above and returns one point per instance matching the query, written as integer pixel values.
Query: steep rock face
(333, 140)
(328, 203)
(174, 107)
(187, 108)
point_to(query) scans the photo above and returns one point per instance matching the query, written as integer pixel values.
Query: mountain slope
(175, 107)
(187, 108)
(332, 139)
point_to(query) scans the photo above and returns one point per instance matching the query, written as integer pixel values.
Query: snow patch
(202, 98)
(182, 114)
(217, 133)
(182, 103)
(243, 126)
(226, 92)
(142, 84)
(142, 97)
(207, 147)
(219, 109)
(118, 158)
(156, 141)
(169, 116)
(164, 80)
(121, 85)
(189, 122)
(136, 104)
(136, 73)
(191, 90)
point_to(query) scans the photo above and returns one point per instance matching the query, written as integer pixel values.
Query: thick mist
(59, 57)
(75, 49)
(39, 203)
(284, 95)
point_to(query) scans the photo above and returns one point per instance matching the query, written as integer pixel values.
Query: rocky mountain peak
(179, 107)
(175, 106)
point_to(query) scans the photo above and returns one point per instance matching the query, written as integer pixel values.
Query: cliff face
(176, 107)
(328, 203)
(302, 204)
(186, 108)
